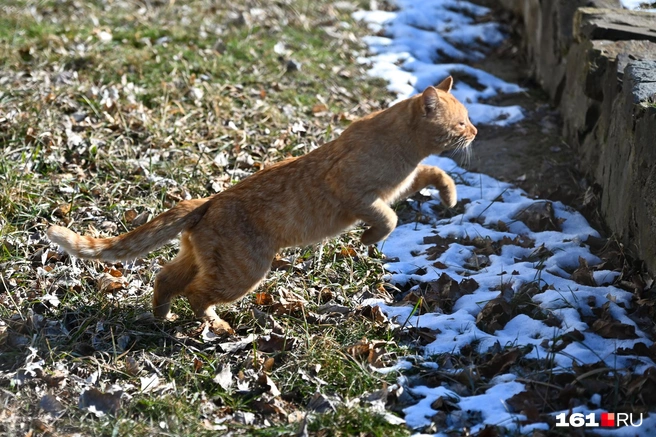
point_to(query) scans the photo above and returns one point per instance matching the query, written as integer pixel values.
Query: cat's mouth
(461, 143)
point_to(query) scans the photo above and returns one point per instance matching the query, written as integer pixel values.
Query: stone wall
(597, 62)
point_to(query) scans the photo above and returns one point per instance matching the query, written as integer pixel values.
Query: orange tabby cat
(228, 240)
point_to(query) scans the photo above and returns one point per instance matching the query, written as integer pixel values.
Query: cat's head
(445, 119)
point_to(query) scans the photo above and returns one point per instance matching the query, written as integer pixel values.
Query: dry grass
(111, 112)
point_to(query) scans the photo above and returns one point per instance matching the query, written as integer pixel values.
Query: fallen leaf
(494, 315)
(608, 327)
(614, 329)
(100, 403)
(107, 283)
(220, 327)
(373, 313)
(500, 363)
(280, 263)
(319, 108)
(583, 274)
(149, 383)
(321, 403)
(264, 379)
(539, 217)
(275, 343)
(50, 404)
(234, 346)
(129, 215)
(132, 367)
(347, 252)
(224, 378)
(62, 210)
(141, 219)
(263, 298)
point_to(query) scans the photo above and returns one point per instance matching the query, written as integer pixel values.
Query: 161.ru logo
(611, 420)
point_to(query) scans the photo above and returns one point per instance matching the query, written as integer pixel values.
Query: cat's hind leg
(174, 277)
(229, 267)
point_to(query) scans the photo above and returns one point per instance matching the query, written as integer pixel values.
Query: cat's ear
(446, 84)
(429, 99)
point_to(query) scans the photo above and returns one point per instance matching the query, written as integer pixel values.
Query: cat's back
(289, 201)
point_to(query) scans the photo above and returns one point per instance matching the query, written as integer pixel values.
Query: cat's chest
(393, 194)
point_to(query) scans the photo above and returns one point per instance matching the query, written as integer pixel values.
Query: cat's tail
(142, 240)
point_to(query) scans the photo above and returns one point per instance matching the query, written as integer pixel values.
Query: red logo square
(608, 419)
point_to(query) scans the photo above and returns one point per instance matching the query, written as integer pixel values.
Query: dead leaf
(149, 383)
(347, 252)
(275, 343)
(372, 350)
(539, 217)
(500, 363)
(113, 272)
(444, 292)
(477, 262)
(132, 367)
(528, 403)
(234, 346)
(62, 210)
(583, 275)
(220, 327)
(319, 108)
(141, 219)
(608, 327)
(359, 349)
(264, 379)
(539, 254)
(321, 403)
(100, 403)
(263, 298)
(56, 379)
(287, 307)
(107, 283)
(445, 403)
(614, 329)
(50, 404)
(268, 364)
(266, 321)
(494, 315)
(333, 309)
(224, 378)
(373, 313)
(421, 336)
(130, 215)
(280, 263)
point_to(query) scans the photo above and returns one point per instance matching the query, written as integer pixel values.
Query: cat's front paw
(448, 194)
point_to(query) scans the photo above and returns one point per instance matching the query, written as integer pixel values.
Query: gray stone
(627, 164)
(614, 24)
(549, 36)
(599, 66)
(642, 76)
(594, 74)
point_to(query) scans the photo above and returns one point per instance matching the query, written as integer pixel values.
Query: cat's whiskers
(462, 149)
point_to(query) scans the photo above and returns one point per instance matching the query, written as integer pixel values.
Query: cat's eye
(461, 124)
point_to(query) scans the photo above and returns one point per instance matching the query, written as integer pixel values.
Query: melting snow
(421, 34)
(640, 5)
(491, 202)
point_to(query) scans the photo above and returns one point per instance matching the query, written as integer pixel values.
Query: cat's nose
(475, 131)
